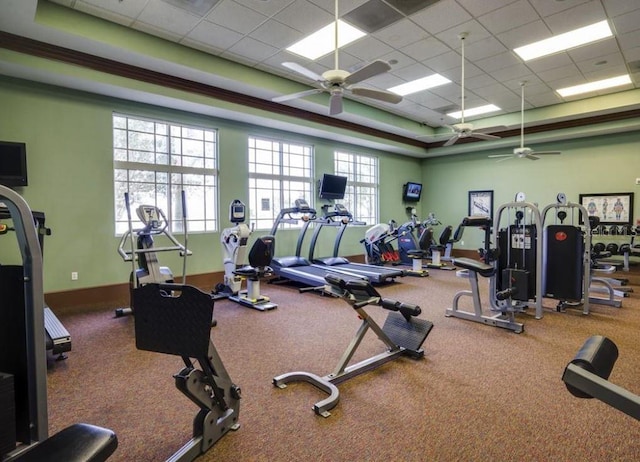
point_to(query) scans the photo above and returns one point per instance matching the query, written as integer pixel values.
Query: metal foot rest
(409, 335)
(77, 443)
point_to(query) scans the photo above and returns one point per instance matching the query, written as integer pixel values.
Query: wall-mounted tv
(332, 186)
(13, 164)
(411, 192)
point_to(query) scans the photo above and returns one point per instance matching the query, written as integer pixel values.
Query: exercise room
(328, 230)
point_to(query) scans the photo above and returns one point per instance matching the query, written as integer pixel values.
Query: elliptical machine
(234, 244)
(143, 251)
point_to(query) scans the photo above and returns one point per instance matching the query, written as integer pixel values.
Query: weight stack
(7, 415)
(563, 262)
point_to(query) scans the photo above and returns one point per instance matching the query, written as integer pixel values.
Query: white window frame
(363, 178)
(170, 157)
(275, 182)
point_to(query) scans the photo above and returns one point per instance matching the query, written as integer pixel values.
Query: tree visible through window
(154, 161)
(279, 173)
(361, 196)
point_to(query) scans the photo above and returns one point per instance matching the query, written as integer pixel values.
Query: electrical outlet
(637, 180)
(461, 242)
(74, 276)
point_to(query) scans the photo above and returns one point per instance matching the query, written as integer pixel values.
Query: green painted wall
(590, 165)
(69, 150)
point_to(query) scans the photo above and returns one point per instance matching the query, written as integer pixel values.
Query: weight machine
(403, 334)
(234, 245)
(513, 267)
(143, 251)
(23, 368)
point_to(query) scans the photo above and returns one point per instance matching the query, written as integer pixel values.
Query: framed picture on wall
(611, 208)
(481, 204)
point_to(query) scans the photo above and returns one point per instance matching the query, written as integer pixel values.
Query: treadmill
(341, 217)
(57, 339)
(296, 268)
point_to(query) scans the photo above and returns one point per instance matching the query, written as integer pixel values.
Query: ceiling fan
(338, 82)
(523, 151)
(462, 129)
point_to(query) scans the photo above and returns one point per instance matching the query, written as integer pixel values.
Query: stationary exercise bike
(143, 251)
(234, 244)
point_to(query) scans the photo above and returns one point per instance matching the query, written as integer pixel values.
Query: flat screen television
(411, 192)
(13, 164)
(332, 186)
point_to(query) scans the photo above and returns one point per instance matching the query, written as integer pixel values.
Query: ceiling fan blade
(547, 153)
(381, 95)
(531, 157)
(483, 136)
(452, 140)
(492, 156)
(335, 103)
(303, 71)
(300, 94)
(508, 157)
(368, 71)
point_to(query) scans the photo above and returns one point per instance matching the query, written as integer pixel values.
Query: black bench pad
(474, 265)
(77, 443)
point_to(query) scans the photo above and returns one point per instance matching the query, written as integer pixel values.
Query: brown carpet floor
(479, 394)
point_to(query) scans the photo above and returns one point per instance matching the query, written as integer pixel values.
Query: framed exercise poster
(611, 208)
(481, 204)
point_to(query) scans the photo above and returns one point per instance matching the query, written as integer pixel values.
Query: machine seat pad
(77, 443)
(418, 253)
(474, 265)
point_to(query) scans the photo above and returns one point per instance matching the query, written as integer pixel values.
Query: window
(279, 173)
(154, 161)
(361, 196)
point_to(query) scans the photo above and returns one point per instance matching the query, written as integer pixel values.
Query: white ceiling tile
(594, 50)
(484, 48)
(618, 7)
(579, 16)
(549, 62)
(519, 71)
(627, 22)
(344, 6)
(547, 8)
(501, 61)
(443, 62)
(600, 63)
(509, 17)
(276, 34)
(213, 35)
(425, 49)
(558, 73)
(252, 49)
(168, 17)
(269, 8)
(478, 8)
(398, 60)
(629, 40)
(478, 81)
(412, 72)
(440, 16)
(525, 34)
(368, 48)
(401, 33)
(304, 16)
(605, 73)
(157, 31)
(545, 99)
(345, 60)
(474, 30)
(632, 54)
(234, 16)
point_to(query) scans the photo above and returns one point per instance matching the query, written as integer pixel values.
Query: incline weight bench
(402, 333)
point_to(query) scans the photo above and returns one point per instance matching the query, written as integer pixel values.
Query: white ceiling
(255, 33)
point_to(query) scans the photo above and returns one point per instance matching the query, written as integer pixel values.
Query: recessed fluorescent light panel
(323, 41)
(415, 86)
(572, 39)
(595, 86)
(475, 111)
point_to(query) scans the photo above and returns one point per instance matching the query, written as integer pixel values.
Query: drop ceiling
(417, 38)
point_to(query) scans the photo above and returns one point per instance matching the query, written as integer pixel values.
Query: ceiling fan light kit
(337, 82)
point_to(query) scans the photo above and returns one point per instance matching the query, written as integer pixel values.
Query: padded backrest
(426, 239)
(261, 252)
(445, 236)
